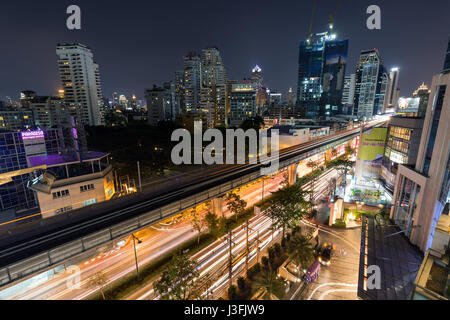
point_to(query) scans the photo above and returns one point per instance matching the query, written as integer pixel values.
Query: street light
(135, 255)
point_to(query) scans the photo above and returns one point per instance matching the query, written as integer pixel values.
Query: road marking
(331, 284)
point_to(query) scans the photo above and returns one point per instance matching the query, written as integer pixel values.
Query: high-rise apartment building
(213, 86)
(321, 72)
(371, 84)
(242, 101)
(80, 77)
(161, 103)
(192, 82)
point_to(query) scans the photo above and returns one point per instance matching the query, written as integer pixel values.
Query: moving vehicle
(312, 272)
(324, 256)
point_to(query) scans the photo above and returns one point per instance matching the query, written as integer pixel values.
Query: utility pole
(262, 197)
(230, 262)
(257, 246)
(248, 251)
(135, 255)
(139, 176)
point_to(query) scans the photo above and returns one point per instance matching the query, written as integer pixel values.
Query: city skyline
(142, 66)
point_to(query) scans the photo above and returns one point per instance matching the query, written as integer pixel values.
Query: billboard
(372, 144)
(408, 105)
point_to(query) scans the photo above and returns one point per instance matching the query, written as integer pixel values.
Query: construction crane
(311, 21)
(333, 15)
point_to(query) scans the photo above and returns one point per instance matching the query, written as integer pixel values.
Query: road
(339, 280)
(118, 261)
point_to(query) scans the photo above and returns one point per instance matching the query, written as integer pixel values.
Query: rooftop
(57, 159)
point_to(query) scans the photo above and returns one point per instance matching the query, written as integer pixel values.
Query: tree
(349, 151)
(270, 283)
(253, 123)
(212, 223)
(334, 153)
(313, 165)
(235, 203)
(180, 280)
(344, 166)
(288, 207)
(197, 224)
(98, 279)
(301, 251)
(115, 119)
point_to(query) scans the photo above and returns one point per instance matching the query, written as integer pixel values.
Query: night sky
(141, 43)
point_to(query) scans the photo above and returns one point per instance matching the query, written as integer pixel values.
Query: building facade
(321, 71)
(80, 77)
(422, 191)
(371, 84)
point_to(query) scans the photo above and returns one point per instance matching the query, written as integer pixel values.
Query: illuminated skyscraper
(371, 84)
(192, 82)
(447, 59)
(80, 78)
(392, 91)
(321, 72)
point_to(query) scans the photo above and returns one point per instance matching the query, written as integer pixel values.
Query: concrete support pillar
(327, 155)
(217, 206)
(292, 173)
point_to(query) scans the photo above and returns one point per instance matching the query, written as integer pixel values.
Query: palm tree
(270, 283)
(301, 251)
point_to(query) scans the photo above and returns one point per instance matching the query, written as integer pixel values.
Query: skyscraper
(321, 71)
(213, 85)
(447, 59)
(392, 91)
(348, 93)
(371, 84)
(81, 81)
(192, 82)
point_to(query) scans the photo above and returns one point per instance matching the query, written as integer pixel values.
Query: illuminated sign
(408, 105)
(372, 144)
(26, 135)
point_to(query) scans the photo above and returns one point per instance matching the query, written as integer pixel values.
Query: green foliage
(253, 271)
(300, 250)
(235, 203)
(212, 223)
(339, 224)
(270, 283)
(179, 281)
(232, 293)
(253, 123)
(288, 207)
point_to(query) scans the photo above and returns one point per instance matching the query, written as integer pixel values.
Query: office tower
(348, 93)
(423, 93)
(16, 120)
(179, 90)
(242, 101)
(274, 99)
(321, 71)
(26, 97)
(392, 91)
(161, 103)
(422, 192)
(447, 59)
(81, 81)
(192, 82)
(291, 97)
(212, 95)
(371, 84)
